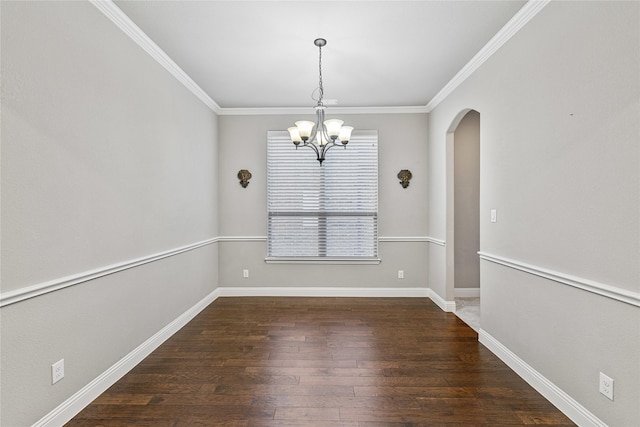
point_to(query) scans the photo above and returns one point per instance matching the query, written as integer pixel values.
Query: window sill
(321, 260)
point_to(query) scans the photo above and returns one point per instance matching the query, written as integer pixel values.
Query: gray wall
(402, 212)
(467, 201)
(106, 158)
(560, 110)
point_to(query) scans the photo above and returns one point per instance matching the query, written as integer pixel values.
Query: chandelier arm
(319, 127)
(321, 150)
(326, 148)
(313, 146)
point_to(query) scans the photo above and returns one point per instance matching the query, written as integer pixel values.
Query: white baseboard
(448, 306)
(73, 405)
(466, 292)
(76, 403)
(565, 403)
(323, 292)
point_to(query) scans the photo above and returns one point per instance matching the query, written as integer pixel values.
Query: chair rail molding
(426, 239)
(242, 238)
(396, 239)
(27, 292)
(608, 291)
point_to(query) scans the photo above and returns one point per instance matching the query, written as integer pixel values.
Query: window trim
(323, 260)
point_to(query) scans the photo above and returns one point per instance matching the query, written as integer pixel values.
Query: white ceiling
(260, 54)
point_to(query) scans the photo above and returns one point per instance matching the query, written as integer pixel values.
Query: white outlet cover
(57, 371)
(606, 385)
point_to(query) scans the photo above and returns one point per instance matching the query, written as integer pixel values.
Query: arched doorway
(463, 216)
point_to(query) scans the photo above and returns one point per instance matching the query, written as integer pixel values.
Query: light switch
(494, 215)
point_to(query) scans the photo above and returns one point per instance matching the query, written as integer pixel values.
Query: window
(327, 212)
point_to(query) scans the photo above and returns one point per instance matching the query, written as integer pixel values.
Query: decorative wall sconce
(404, 175)
(244, 176)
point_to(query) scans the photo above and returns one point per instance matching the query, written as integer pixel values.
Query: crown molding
(124, 23)
(519, 20)
(261, 111)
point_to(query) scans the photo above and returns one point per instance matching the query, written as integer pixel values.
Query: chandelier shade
(322, 134)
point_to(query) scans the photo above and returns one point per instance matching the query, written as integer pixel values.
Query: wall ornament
(404, 175)
(244, 176)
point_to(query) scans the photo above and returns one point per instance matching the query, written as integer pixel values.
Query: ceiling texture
(260, 54)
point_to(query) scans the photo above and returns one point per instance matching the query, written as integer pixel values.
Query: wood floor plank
(321, 362)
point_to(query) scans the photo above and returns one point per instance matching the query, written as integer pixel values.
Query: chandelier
(323, 134)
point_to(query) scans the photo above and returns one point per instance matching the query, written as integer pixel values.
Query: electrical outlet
(606, 385)
(400, 274)
(57, 371)
(245, 273)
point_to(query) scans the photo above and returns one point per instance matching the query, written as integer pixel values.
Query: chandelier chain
(321, 88)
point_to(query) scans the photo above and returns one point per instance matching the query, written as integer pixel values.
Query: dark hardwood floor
(330, 362)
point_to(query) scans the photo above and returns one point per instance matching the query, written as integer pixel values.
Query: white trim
(323, 292)
(406, 239)
(448, 306)
(73, 405)
(524, 15)
(466, 292)
(613, 292)
(412, 239)
(12, 297)
(263, 111)
(27, 292)
(122, 21)
(82, 398)
(242, 238)
(565, 403)
(436, 241)
(321, 260)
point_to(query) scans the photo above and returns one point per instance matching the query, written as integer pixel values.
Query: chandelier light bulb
(320, 139)
(295, 135)
(345, 134)
(333, 128)
(304, 129)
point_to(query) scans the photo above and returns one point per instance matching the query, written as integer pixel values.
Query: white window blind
(328, 211)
